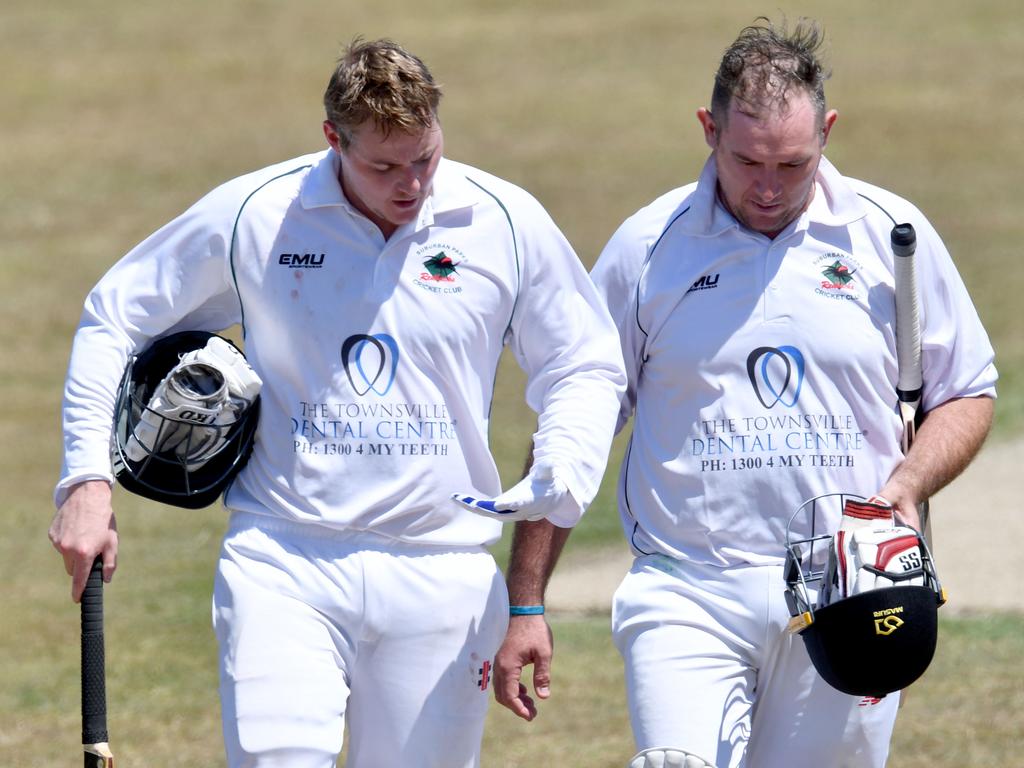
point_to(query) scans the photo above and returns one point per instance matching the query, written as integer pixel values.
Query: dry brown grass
(117, 115)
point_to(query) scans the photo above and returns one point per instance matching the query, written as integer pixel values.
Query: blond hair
(380, 81)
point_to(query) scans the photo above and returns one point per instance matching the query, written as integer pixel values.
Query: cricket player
(376, 283)
(756, 314)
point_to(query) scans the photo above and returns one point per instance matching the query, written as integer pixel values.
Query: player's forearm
(948, 439)
(535, 550)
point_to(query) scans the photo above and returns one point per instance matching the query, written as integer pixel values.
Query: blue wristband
(525, 610)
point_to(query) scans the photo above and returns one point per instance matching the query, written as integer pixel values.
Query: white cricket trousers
(319, 628)
(711, 669)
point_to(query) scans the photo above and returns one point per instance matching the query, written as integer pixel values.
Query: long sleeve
(566, 343)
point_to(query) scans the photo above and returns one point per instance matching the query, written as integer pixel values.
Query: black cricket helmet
(184, 456)
(868, 644)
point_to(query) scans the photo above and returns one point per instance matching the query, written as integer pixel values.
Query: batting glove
(533, 498)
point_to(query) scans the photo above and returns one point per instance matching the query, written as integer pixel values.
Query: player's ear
(707, 122)
(332, 135)
(826, 127)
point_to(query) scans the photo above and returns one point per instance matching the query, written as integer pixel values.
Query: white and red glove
(870, 551)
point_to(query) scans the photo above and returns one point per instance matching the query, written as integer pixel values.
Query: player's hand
(533, 498)
(528, 641)
(904, 504)
(83, 528)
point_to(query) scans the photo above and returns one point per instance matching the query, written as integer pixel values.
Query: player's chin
(767, 221)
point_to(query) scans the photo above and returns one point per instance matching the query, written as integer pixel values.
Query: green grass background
(116, 116)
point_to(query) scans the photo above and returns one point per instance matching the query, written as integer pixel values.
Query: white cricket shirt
(763, 372)
(378, 357)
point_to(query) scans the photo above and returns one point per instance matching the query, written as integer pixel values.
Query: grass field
(118, 115)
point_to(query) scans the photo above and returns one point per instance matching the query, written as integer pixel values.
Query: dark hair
(764, 63)
(380, 81)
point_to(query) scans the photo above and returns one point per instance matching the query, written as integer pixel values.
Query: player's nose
(768, 187)
(410, 182)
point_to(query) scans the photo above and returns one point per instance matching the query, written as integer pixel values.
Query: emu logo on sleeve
(704, 283)
(370, 362)
(776, 374)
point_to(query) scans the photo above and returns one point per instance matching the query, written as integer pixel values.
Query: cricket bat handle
(94, 675)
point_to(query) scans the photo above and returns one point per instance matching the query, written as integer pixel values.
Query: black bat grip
(94, 677)
(904, 239)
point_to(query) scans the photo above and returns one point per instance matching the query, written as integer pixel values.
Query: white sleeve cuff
(568, 511)
(60, 493)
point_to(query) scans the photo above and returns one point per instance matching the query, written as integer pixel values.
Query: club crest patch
(837, 276)
(438, 268)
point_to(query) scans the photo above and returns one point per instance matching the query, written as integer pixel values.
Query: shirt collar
(321, 187)
(834, 203)
(710, 217)
(451, 190)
